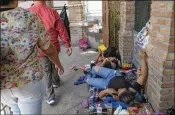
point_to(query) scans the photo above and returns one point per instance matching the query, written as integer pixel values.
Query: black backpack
(65, 19)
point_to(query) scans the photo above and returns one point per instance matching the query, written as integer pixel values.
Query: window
(25, 4)
(142, 14)
(93, 10)
(58, 4)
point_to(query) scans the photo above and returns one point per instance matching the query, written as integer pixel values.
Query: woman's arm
(109, 91)
(104, 62)
(144, 68)
(99, 55)
(103, 93)
(45, 44)
(53, 56)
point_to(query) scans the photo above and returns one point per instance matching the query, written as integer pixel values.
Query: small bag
(83, 44)
(102, 48)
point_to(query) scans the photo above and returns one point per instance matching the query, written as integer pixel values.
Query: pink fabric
(53, 24)
(84, 103)
(83, 44)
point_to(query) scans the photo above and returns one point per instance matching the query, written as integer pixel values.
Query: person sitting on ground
(108, 59)
(114, 84)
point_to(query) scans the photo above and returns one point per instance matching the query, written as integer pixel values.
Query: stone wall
(75, 16)
(160, 84)
(127, 9)
(114, 23)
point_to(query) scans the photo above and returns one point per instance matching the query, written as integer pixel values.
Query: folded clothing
(80, 80)
(115, 103)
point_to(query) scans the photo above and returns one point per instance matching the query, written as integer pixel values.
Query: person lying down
(109, 58)
(114, 83)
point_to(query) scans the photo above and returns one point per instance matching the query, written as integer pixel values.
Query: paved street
(68, 96)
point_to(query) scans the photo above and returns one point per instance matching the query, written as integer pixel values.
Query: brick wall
(49, 3)
(160, 84)
(127, 9)
(75, 16)
(75, 9)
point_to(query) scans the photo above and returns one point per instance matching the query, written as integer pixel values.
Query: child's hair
(110, 52)
(127, 97)
(107, 65)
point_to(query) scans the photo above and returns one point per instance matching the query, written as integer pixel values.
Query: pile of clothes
(138, 105)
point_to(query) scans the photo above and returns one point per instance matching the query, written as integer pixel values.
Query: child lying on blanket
(108, 59)
(114, 84)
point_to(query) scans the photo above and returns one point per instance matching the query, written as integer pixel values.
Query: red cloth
(54, 25)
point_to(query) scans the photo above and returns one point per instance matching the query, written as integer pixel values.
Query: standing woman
(21, 74)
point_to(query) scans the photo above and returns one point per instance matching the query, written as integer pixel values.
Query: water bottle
(99, 109)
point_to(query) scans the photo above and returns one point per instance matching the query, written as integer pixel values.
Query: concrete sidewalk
(68, 96)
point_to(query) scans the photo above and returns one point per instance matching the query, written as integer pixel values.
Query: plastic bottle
(99, 109)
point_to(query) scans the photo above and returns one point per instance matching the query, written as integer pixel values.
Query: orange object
(126, 66)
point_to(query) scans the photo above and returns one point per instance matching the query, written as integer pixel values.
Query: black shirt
(120, 82)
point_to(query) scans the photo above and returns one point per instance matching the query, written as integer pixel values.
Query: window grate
(142, 14)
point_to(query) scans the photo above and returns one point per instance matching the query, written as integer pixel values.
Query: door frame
(105, 22)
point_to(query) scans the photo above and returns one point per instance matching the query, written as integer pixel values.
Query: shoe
(81, 78)
(57, 85)
(50, 102)
(79, 82)
(87, 72)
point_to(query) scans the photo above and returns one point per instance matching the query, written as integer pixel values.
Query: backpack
(65, 20)
(83, 44)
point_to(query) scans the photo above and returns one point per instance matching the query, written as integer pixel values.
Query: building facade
(160, 49)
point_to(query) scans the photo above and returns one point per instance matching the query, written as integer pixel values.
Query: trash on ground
(71, 67)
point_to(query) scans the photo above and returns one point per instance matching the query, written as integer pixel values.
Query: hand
(69, 51)
(115, 97)
(59, 69)
(142, 54)
(111, 91)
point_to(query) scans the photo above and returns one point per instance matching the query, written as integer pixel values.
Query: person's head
(110, 52)
(113, 59)
(9, 3)
(125, 95)
(41, 1)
